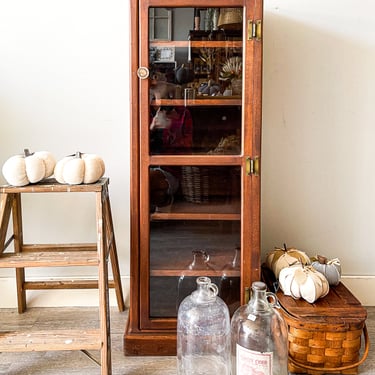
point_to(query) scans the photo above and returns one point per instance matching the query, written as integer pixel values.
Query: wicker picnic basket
(326, 336)
(194, 184)
(203, 184)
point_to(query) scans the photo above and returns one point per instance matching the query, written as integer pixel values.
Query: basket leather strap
(335, 369)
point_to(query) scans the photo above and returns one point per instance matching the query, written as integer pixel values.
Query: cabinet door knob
(143, 72)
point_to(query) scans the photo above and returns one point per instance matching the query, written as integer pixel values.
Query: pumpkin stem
(27, 152)
(322, 259)
(78, 155)
(285, 248)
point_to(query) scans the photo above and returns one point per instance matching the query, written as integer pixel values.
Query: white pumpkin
(79, 168)
(331, 269)
(299, 281)
(20, 170)
(279, 258)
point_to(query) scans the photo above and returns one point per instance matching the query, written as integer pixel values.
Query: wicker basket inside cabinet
(202, 184)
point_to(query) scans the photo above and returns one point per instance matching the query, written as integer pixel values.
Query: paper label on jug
(252, 362)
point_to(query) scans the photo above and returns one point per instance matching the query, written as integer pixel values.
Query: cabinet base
(150, 343)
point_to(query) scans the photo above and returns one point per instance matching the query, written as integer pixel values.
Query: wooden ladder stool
(61, 255)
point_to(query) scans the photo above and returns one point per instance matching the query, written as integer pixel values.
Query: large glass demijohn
(259, 342)
(203, 332)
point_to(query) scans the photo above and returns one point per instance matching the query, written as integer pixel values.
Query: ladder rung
(64, 284)
(59, 247)
(50, 340)
(49, 259)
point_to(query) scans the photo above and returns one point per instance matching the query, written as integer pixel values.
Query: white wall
(318, 130)
(64, 86)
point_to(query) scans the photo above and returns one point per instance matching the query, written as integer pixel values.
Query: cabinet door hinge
(254, 30)
(247, 295)
(252, 166)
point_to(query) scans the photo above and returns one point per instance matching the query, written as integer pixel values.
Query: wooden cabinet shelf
(192, 216)
(195, 273)
(200, 101)
(208, 211)
(198, 44)
(196, 160)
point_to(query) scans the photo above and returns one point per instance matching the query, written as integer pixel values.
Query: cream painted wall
(318, 129)
(64, 86)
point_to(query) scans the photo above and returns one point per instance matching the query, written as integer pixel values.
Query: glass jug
(259, 336)
(203, 332)
(230, 285)
(187, 284)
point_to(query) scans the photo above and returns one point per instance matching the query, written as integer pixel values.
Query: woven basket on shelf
(194, 184)
(202, 184)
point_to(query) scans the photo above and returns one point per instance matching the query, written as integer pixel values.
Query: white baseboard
(360, 286)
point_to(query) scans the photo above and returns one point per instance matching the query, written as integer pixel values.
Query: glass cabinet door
(194, 141)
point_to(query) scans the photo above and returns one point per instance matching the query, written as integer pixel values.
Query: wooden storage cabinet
(195, 156)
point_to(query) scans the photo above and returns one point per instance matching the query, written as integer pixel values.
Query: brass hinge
(254, 30)
(247, 295)
(252, 166)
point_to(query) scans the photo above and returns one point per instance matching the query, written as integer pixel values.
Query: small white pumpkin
(79, 168)
(279, 258)
(20, 170)
(331, 269)
(299, 281)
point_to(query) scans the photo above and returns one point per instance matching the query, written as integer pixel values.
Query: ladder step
(50, 340)
(49, 259)
(64, 284)
(59, 247)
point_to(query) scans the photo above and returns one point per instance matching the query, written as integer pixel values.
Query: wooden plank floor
(74, 363)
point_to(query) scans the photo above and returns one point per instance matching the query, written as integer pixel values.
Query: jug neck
(259, 298)
(206, 291)
(236, 262)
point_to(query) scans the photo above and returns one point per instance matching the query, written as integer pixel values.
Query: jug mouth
(259, 286)
(201, 280)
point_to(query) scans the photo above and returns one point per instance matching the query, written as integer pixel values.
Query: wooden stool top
(50, 185)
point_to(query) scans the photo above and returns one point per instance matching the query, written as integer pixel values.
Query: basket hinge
(254, 30)
(252, 166)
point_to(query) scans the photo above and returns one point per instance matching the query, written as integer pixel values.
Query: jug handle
(214, 289)
(272, 299)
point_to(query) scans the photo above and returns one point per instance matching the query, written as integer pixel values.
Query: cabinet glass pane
(196, 130)
(196, 83)
(194, 231)
(196, 189)
(180, 251)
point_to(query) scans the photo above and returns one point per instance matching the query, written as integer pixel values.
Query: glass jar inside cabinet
(196, 120)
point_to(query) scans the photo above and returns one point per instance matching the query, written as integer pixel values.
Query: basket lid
(338, 306)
